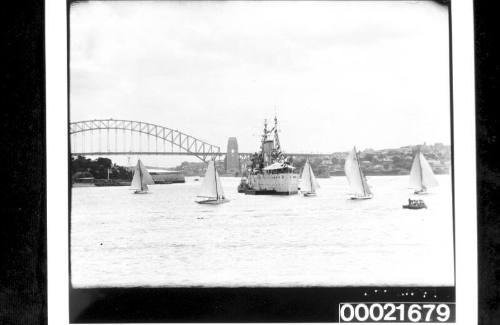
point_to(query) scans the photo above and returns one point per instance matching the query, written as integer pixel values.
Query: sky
(374, 74)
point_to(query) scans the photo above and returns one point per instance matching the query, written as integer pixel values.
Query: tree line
(82, 167)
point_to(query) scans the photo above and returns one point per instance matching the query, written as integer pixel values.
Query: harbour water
(165, 239)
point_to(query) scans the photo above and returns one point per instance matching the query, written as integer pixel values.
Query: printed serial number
(396, 312)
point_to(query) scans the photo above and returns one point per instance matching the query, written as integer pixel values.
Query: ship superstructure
(271, 171)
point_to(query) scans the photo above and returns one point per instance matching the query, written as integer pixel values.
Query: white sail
(137, 179)
(416, 173)
(366, 187)
(220, 190)
(146, 177)
(355, 177)
(211, 186)
(141, 178)
(315, 184)
(308, 182)
(421, 175)
(305, 179)
(428, 178)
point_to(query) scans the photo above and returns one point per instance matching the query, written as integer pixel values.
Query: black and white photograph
(263, 144)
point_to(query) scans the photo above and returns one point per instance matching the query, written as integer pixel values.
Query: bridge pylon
(232, 159)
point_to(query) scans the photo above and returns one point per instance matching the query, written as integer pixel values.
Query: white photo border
(463, 101)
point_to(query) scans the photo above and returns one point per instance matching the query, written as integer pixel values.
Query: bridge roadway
(243, 155)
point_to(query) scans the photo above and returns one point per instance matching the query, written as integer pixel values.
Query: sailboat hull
(212, 201)
(140, 192)
(366, 197)
(308, 194)
(406, 206)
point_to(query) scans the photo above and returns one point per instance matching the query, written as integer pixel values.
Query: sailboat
(357, 180)
(421, 175)
(211, 189)
(308, 183)
(141, 179)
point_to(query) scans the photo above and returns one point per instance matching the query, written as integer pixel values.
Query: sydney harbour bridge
(103, 137)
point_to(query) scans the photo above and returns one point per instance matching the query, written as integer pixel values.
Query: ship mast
(277, 146)
(276, 138)
(264, 138)
(275, 154)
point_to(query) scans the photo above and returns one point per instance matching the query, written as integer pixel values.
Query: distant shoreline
(341, 173)
(125, 183)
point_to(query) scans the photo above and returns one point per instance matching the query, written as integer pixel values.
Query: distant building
(434, 162)
(407, 150)
(369, 151)
(365, 163)
(337, 167)
(232, 157)
(161, 176)
(326, 162)
(82, 177)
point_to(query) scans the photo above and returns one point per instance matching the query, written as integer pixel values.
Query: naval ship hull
(272, 184)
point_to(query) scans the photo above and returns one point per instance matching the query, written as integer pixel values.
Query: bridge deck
(161, 153)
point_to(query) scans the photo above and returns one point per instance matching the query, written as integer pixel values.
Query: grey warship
(271, 171)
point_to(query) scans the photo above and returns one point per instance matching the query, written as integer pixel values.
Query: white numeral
(391, 311)
(429, 312)
(376, 316)
(351, 312)
(362, 316)
(443, 312)
(414, 313)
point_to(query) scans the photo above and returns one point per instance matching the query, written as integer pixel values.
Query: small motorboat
(243, 186)
(415, 205)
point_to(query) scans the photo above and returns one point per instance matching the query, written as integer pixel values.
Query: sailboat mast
(140, 175)
(215, 176)
(360, 171)
(310, 177)
(421, 170)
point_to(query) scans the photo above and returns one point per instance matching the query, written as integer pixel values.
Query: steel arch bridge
(124, 137)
